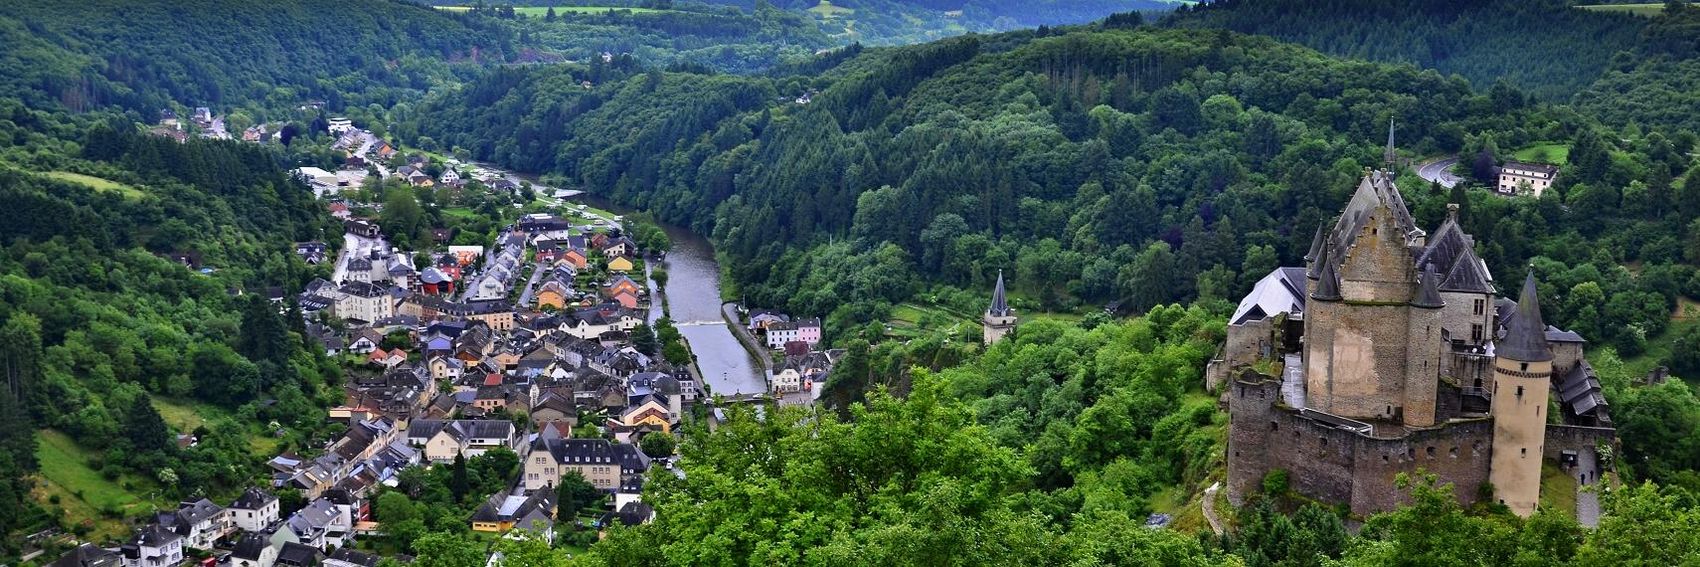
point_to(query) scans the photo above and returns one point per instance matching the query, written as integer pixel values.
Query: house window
(1476, 332)
(1481, 306)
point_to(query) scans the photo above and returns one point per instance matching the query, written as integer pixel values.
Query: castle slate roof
(1428, 289)
(1452, 252)
(1581, 390)
(1525, 335)
(1328, 280)
(1374, 191)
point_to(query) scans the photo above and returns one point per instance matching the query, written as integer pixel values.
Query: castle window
(1323, 441)
(1274, 426)
(1481, 306)
(1476, 332)
(1384, 458)
(1430, 451)
(1454, 452)
(1525, 451)
(1519, 391)
(1523, 366)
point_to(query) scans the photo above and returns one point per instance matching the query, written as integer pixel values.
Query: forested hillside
(896, 22)
(1095, 165)
(1544, 47)
(101, 327)
(144, 56)
(1655, 85)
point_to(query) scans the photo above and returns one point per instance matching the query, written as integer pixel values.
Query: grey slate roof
(1428, 289)
(1000, 304)
(1525, 335)
(88, 555)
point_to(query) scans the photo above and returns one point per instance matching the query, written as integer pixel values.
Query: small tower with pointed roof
(999, 319)
(1522, 378)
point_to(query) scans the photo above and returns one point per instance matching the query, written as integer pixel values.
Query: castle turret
(1522, 378)
(999, 319)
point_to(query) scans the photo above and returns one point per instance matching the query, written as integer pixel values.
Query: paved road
(1588, 501)
(531, 285)
(1210, 507)
(1440, 171)
(352, 244)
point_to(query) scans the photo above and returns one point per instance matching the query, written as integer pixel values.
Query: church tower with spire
(999, 319)
(1522, 378)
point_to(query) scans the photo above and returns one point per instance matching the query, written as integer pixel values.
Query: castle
(1388, 353)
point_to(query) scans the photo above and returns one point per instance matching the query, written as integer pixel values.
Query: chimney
(1452, 212)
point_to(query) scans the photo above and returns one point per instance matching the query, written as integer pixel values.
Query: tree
(643, 339)
(549, 15)
(144, 427)
(447, 549)
(264, 336)
(1150, 280)
(20, 360)
(575, 493)
(459, 484)
(657, 445)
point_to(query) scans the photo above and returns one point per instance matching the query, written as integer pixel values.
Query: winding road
(1439, 171)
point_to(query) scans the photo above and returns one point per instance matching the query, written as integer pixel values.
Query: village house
(254, 549)
(443, 439)
(551, 458)
(348, 557)
(503, 512)
(1522, 178)
(807, 331)
(620, 264)
(253, 510)
(153, 546)
(362, 228)
(200, 523)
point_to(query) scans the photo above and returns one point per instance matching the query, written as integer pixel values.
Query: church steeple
(1000, 305)
(1526, 334)
(999, 319)
(1389, 155)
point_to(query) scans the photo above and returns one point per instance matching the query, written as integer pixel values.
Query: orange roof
(493, 379)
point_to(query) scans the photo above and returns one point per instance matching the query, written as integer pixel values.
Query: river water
(693, 299)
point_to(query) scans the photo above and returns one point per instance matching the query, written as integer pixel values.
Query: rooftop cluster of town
(525, 344)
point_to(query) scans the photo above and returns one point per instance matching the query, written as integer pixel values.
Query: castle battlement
(1397, 357)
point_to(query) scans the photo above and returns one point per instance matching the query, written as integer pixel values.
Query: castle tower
(1522, 377)
(999, 319)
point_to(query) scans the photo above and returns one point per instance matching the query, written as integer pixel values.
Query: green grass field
(1558, 490)
(84, 495)
(187, 415)
(826, 10)
(1545, 152)
(96, 183)
(540, 11)
(1644, 10)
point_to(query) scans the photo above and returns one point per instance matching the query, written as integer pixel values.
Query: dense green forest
(1543, 47)
(99, 324)
(145, 56)
(1655, 85)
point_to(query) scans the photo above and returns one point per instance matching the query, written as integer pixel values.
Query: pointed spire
(1000, 305)
(1526, 334)
(1389, 155)
(1315, 270)
(1428, 289)
(1328, 281)
(1315, 244)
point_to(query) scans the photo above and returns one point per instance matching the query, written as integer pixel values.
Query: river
(693, 299)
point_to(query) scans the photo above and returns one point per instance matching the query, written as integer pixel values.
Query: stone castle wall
(1337, 465)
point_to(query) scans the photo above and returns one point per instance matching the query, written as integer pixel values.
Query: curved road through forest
(1439, 171)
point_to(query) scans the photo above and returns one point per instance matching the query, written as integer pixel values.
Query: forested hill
(1062, 158)
(144, 56)
(1545, 47)
(892, 22)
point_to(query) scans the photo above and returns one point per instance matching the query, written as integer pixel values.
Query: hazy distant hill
(1544, 47)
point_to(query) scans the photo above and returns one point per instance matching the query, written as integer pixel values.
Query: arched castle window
(1430, 451)
(1274, 426)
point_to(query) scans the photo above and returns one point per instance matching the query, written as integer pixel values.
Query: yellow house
(620, 264)
(552, 294)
